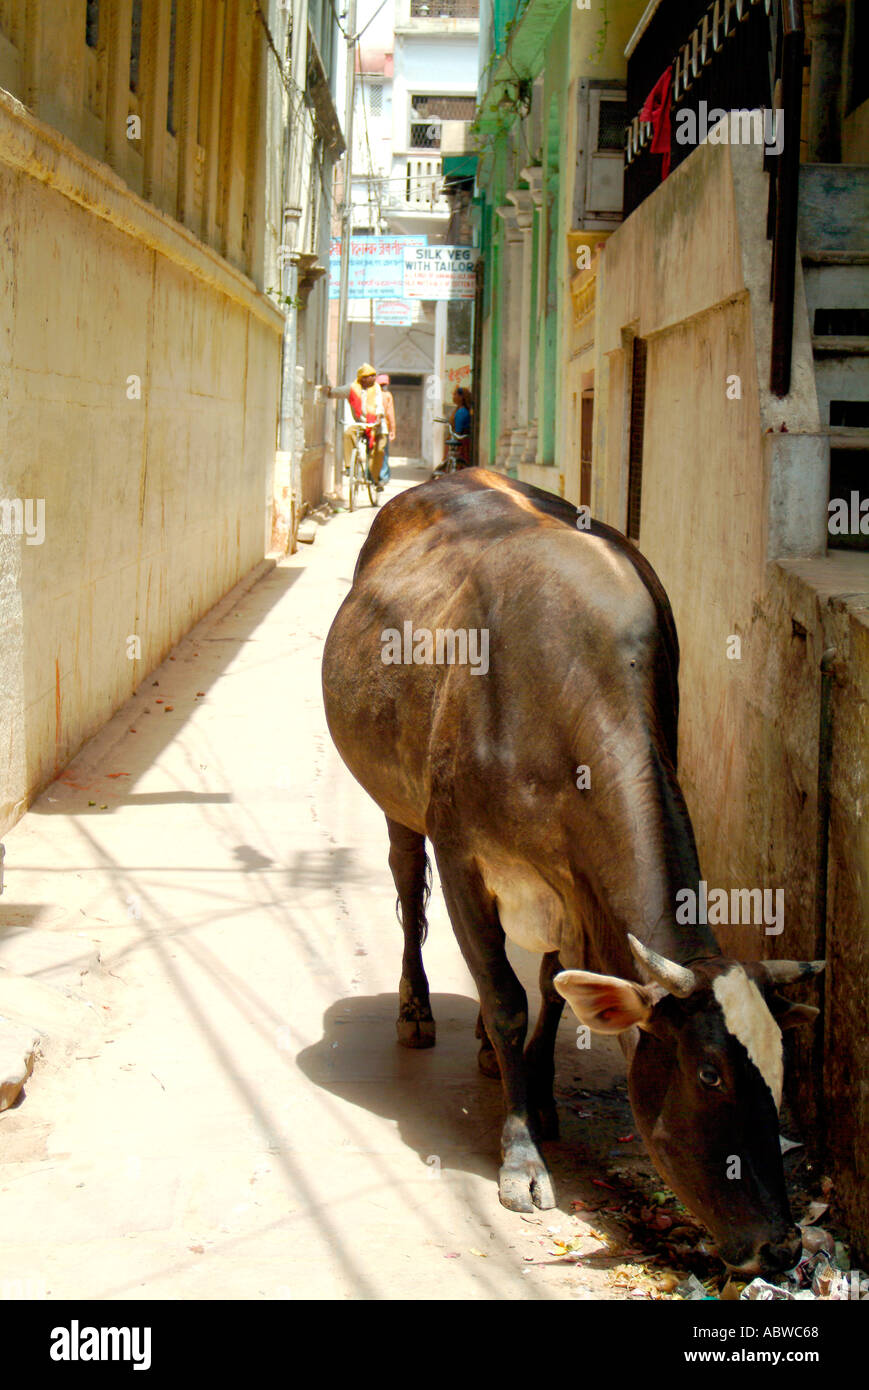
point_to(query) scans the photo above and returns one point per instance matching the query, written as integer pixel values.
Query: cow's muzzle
(771, 1257)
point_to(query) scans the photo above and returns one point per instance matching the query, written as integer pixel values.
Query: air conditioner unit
(600, 154)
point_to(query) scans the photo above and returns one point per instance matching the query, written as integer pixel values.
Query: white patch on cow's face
(751, 1023)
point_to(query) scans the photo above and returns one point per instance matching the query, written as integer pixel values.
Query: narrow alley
(200, 921)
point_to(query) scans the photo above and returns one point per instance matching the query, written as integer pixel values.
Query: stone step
(825, 255)
(841, 285)
(843, 438)
(841, 377)
(840, 345)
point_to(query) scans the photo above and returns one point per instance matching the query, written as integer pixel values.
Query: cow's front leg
(524, 1180)
(407, 860)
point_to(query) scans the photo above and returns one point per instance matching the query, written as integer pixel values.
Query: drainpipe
(346, 229)
(825, 758)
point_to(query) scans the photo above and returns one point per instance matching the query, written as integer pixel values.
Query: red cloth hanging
(656, 110)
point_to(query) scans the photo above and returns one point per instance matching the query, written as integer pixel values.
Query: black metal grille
(445, 108)
(444, 9)
(842, 323)
(135, 45)
(611, 125)
(849, 475)
(92, 23)
(851, 415)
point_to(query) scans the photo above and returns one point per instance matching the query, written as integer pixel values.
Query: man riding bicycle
(365, 400)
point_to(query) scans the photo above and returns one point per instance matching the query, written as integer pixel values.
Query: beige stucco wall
(154, 507)
(688, 272)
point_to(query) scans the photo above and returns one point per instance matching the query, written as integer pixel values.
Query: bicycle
(359, 472)
(454, 458)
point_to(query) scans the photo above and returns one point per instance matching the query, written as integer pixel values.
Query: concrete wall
(154, 506)
(688, 272)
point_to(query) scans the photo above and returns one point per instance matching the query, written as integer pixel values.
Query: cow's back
(478, 551)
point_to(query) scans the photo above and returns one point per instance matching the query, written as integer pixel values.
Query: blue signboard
(376, 266)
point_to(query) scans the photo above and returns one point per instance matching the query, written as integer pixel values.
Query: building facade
(143, 149)
(415, 98)
(689, 357)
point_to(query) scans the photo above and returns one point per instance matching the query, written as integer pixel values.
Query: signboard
(393, 312)
(457, 370)
(440, 272)
(376, 266)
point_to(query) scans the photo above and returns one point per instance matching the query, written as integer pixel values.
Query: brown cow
(504, 683)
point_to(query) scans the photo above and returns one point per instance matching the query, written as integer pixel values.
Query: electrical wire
(372, 176)
(354, 38)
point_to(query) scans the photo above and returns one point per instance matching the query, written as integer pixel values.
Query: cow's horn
(678, 979)
(784, 972)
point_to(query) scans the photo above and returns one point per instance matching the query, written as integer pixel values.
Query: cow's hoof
(487, 1061)
(524, 1186)
(416, 1032)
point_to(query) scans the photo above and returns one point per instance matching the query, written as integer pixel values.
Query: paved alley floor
(200, 921)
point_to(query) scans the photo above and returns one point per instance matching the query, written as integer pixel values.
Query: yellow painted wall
(154, 507)
(688, 272)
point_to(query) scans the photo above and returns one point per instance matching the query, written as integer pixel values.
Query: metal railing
(444, 9)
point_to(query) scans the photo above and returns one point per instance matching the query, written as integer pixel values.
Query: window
(444, 9)
(135, 45)
(585, 447)
(170, 108)
(374, 98)
(611, 126)
(635, 438)
(92, 23)
(427, 114)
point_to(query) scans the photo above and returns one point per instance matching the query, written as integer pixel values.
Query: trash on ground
(691, 1289)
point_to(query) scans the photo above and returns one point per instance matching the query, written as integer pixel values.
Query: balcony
(444, 9)
(437, 17)
(694, 63)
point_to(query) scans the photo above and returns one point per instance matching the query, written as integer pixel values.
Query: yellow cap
(365, 370)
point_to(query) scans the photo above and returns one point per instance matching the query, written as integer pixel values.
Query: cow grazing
(580, 676)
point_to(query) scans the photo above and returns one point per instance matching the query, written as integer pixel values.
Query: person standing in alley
(389, 407)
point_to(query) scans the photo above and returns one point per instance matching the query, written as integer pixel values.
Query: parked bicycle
(455, 455)
(360, 471)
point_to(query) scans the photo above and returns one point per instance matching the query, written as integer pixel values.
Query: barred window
(92, 23)
(135, 45)
(444, 9)
(611, 126)
(374, 98)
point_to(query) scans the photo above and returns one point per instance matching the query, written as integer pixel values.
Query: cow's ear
(790, 1015)
(604, 1003)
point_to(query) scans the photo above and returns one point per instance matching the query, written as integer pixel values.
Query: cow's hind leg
(540, 1052)
(410, 869)
(487, 1059)
(524, 1180)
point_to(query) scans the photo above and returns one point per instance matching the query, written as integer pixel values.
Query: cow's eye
(709, 1076)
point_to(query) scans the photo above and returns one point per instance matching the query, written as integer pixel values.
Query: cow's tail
(422, 904)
